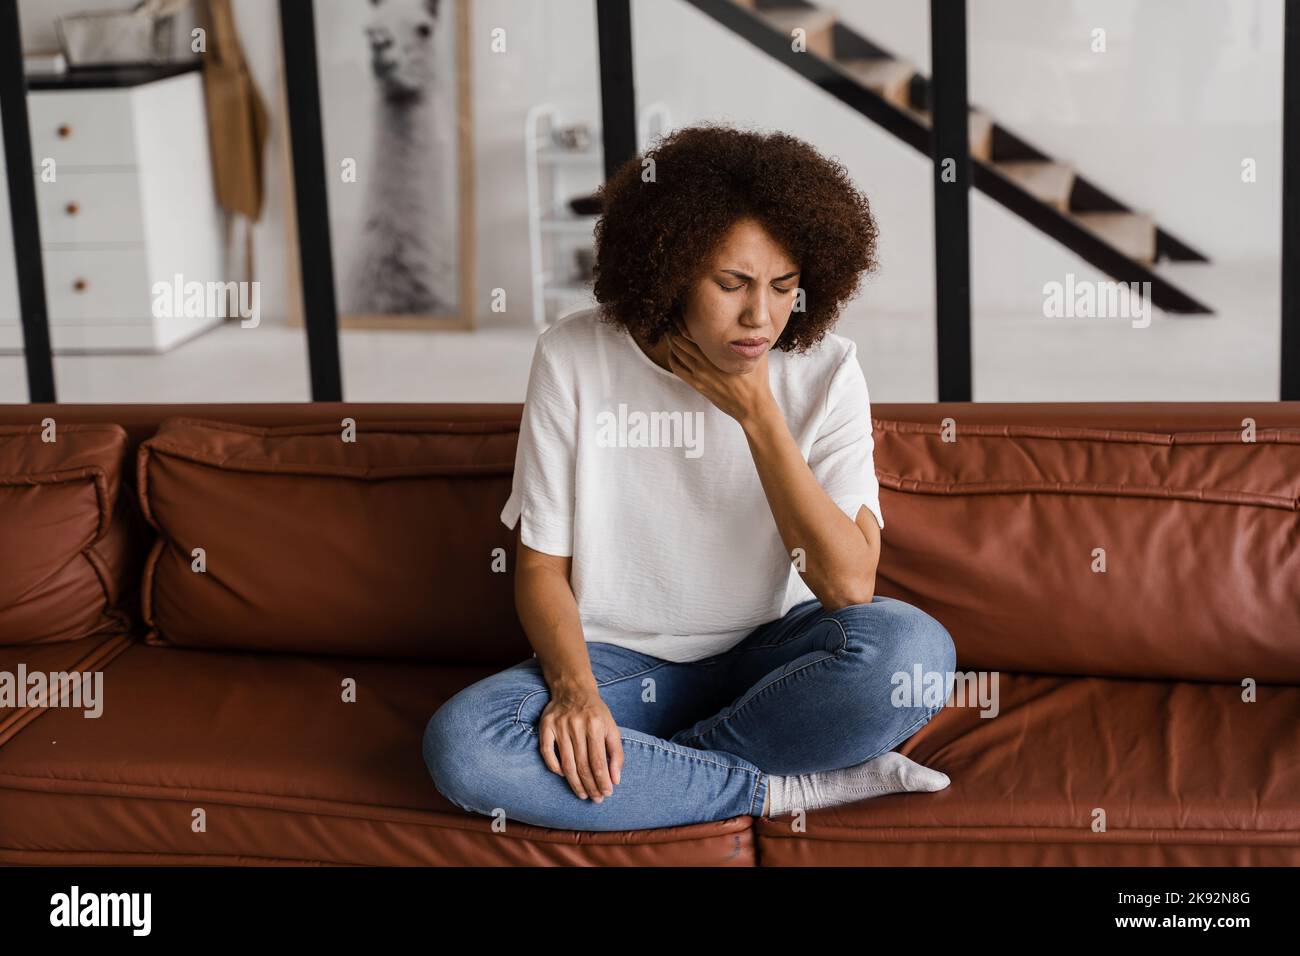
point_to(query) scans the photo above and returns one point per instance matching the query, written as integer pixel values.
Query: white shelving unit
(556, 175)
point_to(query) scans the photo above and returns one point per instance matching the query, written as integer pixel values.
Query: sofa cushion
(386, 546)
(1187, 774)
(67, 571)
(1001, 535)
(284, 770)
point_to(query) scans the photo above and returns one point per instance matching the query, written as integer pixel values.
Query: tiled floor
(1231, 356)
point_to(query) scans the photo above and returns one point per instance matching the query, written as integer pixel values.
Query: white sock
(891, 772)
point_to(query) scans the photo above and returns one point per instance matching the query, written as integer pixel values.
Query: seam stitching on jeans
(834, 655)
(767, 647)
(541, 690)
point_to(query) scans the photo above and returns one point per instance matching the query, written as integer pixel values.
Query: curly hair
(655, 239)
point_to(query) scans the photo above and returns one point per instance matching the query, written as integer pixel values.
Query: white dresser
(131, 205)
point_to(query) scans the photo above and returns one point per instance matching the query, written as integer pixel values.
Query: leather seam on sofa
(718, 848)
(1139, 836)
(161, 443)
(273, 801)
(15, 857)
(739, 844)
(324, 471)
(374, 813)
(147, 578)
(258, 466)
(922, 486)
(329, 428)
(65, 476)
(1283, 434)
(158, 444)
(116, 615)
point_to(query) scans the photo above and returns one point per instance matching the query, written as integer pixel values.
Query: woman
(701, 521)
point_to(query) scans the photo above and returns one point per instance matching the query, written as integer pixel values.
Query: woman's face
(738, 309)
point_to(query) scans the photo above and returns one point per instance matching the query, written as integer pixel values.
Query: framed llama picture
(396, 122)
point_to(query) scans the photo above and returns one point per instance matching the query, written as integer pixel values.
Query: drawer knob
(80, 285)
(65, 131)
(71, 208)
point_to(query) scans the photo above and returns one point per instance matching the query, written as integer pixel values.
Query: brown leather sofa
(275, 611)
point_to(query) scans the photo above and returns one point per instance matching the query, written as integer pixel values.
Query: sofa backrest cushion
(388, 545)
(66, 568)
(1097, 551)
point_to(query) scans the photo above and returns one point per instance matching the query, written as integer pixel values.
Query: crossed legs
(812, 691)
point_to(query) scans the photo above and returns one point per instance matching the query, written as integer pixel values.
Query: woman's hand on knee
(590, 751)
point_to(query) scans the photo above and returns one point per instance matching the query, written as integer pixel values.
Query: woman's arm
(576, 722)
(840, 556)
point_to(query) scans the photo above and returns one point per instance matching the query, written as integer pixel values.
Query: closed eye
(733, 288)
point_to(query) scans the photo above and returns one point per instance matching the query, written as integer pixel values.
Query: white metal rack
(555, 175)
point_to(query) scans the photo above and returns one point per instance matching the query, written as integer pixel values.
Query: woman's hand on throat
(743, 396)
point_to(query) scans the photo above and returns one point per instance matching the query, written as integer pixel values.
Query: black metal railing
(950, 150)
(315, 250)
(1290, 384)
(22, 208)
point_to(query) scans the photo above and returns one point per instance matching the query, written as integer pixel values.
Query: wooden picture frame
(390, 105)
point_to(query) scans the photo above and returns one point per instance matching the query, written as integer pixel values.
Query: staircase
(1045, 192)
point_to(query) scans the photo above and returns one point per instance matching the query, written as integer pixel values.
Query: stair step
(817, 25)
(979, 131)
(890, 78)
(1132, 233)
(1044, 180)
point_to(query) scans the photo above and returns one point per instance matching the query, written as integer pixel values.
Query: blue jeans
(810, 691)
